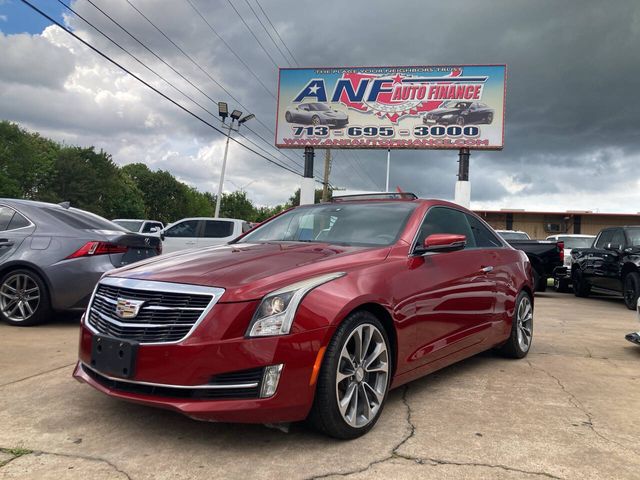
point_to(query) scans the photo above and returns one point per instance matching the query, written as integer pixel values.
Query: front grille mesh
(163, 317)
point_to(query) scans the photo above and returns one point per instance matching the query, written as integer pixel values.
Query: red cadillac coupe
(315, 314)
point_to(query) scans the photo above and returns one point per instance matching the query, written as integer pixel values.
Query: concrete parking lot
(569, 410)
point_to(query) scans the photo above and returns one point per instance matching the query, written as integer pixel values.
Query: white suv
(201, 232)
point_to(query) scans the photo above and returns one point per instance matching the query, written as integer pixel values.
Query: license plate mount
(113, 356)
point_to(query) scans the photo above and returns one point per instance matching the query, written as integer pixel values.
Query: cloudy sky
(571, 110)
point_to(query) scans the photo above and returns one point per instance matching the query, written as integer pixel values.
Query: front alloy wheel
(362, 375)
(354, 378)
(519, 342)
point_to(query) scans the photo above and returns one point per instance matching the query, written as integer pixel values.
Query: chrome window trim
(211, 386)
(155, 286)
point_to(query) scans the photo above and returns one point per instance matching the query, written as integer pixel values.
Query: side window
(484, 237)
(18, 221)
(185, 229)
(6, 214)
(618, 237)
(604, 239)
(446, 220)
(245, 227)
(149, 225)
(217, 229)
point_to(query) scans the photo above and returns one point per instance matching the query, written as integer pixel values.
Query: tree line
(37, 168)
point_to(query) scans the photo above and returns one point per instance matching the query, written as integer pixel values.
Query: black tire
(561, 285)
(460, 121)
(325, 414)
(631, 290)
(315, 120)
(542, 284)
(490, 118)
(580, 287)
(287, 117)
(41, 309)
(513, 347)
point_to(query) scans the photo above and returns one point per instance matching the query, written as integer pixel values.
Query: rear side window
(149, 225)
(6, 214)
(186, 229)
(618, 237)
(446, 220)
(217, 229)
(18, 221)
(484, 237)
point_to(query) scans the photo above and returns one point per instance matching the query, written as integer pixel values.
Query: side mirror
(614, 247)
(154, 230)
(442, 242)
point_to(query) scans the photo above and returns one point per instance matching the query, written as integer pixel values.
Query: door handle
(487, 269)
(5, 243)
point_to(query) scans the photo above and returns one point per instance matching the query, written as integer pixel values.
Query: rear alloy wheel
(631, 290)
(354, 379)
(287, 117)
(490, 118)
(519, 342)
(23, 298)
(580, 287)
(460, 121)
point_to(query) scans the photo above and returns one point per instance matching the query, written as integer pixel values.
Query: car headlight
(276, 311)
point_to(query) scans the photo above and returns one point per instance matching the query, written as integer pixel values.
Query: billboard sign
(432, 107)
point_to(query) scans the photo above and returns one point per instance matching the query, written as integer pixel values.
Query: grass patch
(15, 452)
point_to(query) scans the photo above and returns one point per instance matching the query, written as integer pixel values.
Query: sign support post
(463, 186)
(307, 188)
(388, 168)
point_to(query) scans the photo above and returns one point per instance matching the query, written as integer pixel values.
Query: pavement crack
(438, 461)
(573, 401)
(36, 375)
(70, 455)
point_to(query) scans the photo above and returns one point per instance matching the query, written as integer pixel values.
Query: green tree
(237, 205)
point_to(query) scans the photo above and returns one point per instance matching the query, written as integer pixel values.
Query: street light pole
(224, 167)
(223, 111)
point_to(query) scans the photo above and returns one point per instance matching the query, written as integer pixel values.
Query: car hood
(248, 271)
(333, 114)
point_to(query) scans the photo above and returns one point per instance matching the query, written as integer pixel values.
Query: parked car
(611, 264)
(460, 113)
(201, 232)
(634, 337)
(562, 275)
(315, 113)
(513, 235)
(316, 313)
(546, 257)
(146, 227)
(51, 257)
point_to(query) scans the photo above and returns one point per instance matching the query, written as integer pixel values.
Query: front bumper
(165, 374)
(633, 337)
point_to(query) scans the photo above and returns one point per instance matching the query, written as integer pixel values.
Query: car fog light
(270, 379)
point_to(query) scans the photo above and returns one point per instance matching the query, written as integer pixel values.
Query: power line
(148, 85)
(161, 77)
(204, 71)
(276, 30)
(253, 34)
(356, 154)
(231, 49)
(268, 33)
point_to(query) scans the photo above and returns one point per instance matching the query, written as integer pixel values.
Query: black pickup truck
(546, 256)
(611, 264)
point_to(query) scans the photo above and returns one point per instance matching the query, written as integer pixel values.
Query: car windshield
(634, 236)
(131, 225)
(318, 107)
(514, 235)
(454, 104)
(350, 224)
(576, 242)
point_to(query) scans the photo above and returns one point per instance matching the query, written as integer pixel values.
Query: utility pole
(327, 170)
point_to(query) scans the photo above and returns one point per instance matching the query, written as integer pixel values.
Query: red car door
(448, 302)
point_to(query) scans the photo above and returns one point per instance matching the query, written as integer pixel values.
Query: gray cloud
(570, 111)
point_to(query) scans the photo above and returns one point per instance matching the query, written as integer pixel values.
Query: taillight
(90, 249)
(561, 250)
